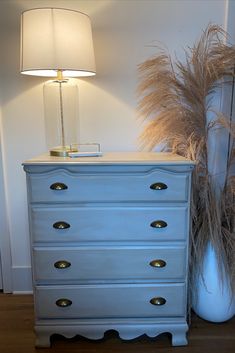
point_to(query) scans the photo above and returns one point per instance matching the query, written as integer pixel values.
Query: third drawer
(109, 263)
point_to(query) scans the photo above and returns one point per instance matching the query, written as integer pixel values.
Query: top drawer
(64, 186)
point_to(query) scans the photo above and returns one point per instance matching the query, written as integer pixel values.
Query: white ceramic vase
(213, 301)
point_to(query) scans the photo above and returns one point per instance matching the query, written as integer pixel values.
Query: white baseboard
(21, 279)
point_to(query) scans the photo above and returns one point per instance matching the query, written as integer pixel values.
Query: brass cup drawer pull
(63, 302)
(58, 186)
(159, 224)
(62, 264)
(158, 263)
(158, 301)
(158, 186)
(61, 225)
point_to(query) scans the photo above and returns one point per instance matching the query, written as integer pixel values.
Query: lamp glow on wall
(57, 43)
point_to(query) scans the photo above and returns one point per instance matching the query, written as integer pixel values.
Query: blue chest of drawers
(109, 239)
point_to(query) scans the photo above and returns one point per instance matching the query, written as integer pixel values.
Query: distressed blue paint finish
(113, 301)
(109, 223)
(110, 209)
(96, 187)
(129, 263)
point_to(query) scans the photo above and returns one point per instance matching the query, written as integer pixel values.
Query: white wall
(2, 203)
(124, 32)
(5, 251)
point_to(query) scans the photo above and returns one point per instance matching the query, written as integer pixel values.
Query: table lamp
(57, 43)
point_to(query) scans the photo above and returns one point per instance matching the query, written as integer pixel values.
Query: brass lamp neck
(60, 76)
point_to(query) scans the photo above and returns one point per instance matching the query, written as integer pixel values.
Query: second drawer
(108, 223)
(110, 263)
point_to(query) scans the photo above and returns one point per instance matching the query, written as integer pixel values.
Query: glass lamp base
(62, 151)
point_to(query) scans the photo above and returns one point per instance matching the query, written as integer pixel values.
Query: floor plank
(16, 335)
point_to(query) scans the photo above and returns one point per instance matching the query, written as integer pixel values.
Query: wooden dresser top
(145, 158)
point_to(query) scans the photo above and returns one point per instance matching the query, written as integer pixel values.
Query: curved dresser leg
(42, 340)
(179, 338)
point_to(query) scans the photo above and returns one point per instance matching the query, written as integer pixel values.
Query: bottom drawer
(102, 301)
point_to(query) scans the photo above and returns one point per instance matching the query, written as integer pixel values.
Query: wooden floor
(17, 336)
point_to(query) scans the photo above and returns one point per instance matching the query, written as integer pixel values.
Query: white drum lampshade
(56, 39)
(57, 43)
